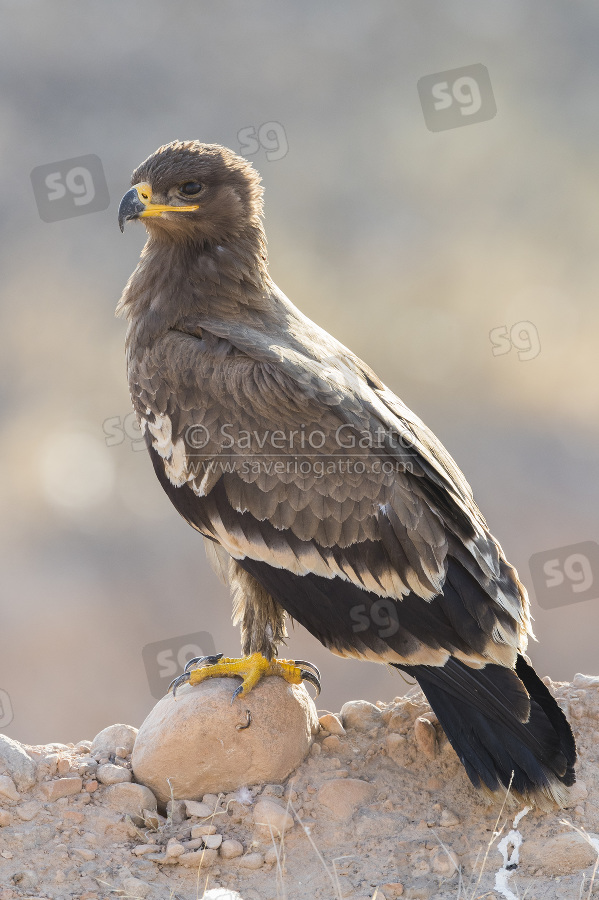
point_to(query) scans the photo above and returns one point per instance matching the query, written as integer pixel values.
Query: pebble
(62, 787)
(175, 811)
(142, 849)
(48, 765)
(8, 788)
(106, 741)
(271, 856)
(443, 862)
(251, 861)
(426, 737)
(332, 724)
(198, 831)
(17, 763)
(221, 894)
(83, 745)
(331, 743)
(135, 887)
(343, 796)
(231, 849)
(272, 815)
(6, 854)
(109, 774)
(123, 752)
(211, 800)
(392, 890)
(28, 811)
(448, 818)
(199, 858)
(213, 841)
(63, 766)
(130, 799)
(4, 818)
(174, 848)
(197, 809)
(360, 714)
(91, 786)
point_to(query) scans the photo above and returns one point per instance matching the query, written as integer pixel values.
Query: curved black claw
(177, 682)
(184, 677)
(197, 661)
(310, 674)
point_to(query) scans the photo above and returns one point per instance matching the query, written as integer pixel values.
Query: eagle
(319, 494)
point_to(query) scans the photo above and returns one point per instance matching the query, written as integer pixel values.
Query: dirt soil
(383, 811)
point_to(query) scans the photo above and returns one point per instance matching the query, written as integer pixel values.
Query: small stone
(360, 714)
(135, 887)
(198, 831)
(131, 799)
(84, 745)
(15, 762)
(47, 766)
(109, 774)
(331, 743)
(4, 818)
(83, 853)
(213, 841)
(91, 787)
(231, 849)
(63, 766)
(271, 856)
(106, 742)
(448, 818)
(63, 787)
(210, 800)
(219, 894)
(426, 737)
(28, 811)
(344, 796)
(272, 815)
(174, 848)
(197, 809)
(175, 811)
(251, 861)
(8, 788)
(585, 681)
(392, 890)
(87, 765)
(332, 724)
(142, 849)
(443, 862)
(199, 858)
(6, 854)
(122, 752)
(315, 750)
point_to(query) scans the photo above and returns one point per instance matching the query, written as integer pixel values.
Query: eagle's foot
(250, 669)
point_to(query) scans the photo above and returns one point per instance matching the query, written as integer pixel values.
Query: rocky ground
(380, 808)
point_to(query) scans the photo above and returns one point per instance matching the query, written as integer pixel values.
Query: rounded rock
(564, 854)
(135, 887)
(270, 815)
(251, 861)
(106, 741)
(131, 799)
(231, 849)
(360, 714)
(109, 774)
(283, 721)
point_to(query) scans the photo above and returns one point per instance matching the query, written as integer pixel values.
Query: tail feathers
(505, 727)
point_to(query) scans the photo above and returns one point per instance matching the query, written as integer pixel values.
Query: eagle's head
(192, 192)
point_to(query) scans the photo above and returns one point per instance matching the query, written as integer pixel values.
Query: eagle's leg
(250, 669)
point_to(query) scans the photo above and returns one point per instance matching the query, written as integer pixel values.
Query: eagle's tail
(505, 727)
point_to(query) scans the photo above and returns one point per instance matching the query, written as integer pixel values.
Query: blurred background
(456, 254)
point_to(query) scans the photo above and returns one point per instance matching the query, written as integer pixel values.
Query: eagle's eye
(190, 188)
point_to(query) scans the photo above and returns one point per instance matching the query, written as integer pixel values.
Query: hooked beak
(137, 204)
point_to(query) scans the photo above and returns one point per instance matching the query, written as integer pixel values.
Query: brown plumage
(320, 495)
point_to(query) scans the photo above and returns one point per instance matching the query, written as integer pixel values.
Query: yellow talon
(251, 669)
